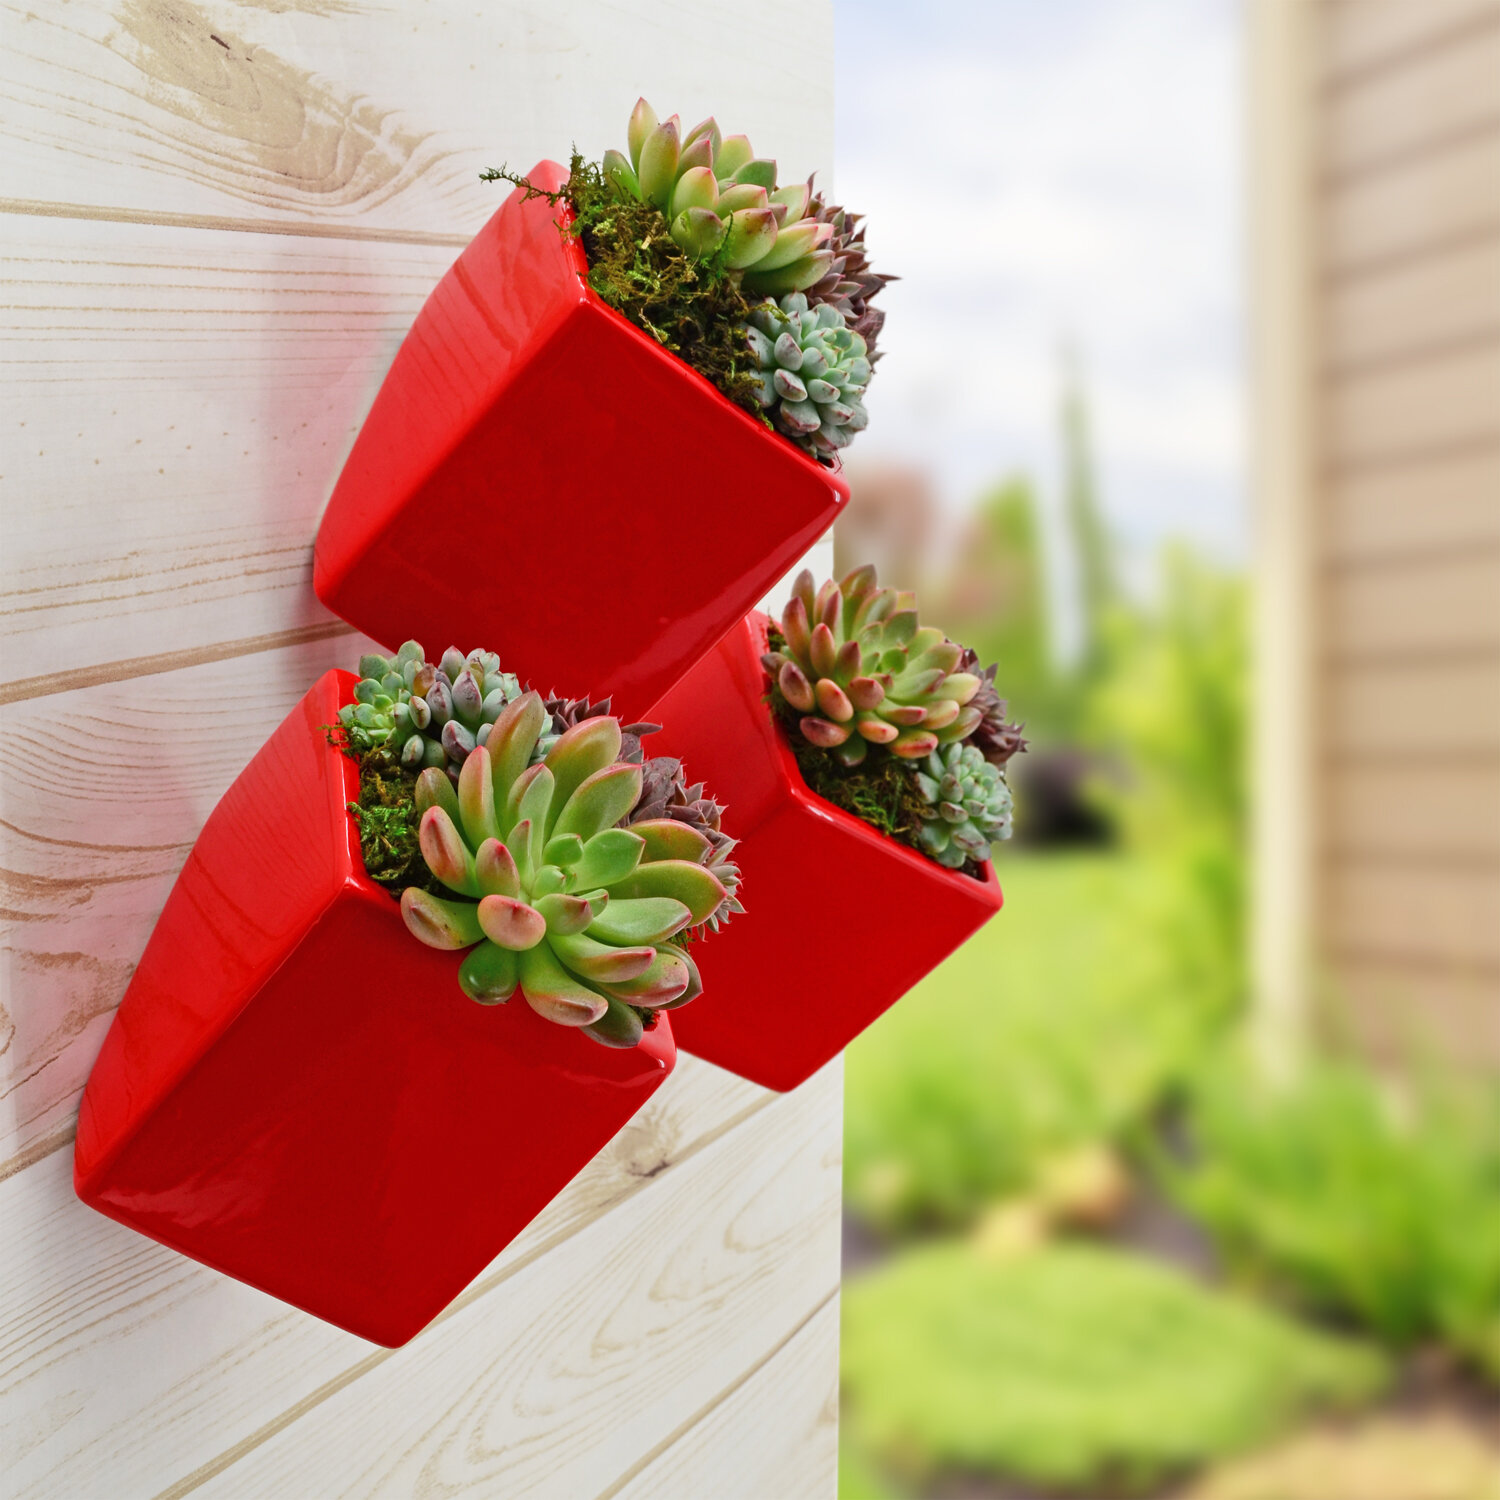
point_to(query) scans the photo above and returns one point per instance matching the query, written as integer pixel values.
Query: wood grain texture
(119, 1356)
(1402, 412)
(351, 113)
(178, 406)
(774, 1435)
(102, 792)
(584, 1362)
(1363, 36)
(1429, 99)
(1417, 207)
(1414, 308)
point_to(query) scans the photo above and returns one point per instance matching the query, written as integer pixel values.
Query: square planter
(841, 921)
(536, 471)
(296, 1092)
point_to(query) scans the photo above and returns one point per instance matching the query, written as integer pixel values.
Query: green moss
(387, 816)
(693, 308)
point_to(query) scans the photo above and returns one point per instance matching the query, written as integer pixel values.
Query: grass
(1058, 1025)
(1074, 1368)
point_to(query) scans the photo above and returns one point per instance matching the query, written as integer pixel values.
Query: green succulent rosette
(966, 806)
(813, 370)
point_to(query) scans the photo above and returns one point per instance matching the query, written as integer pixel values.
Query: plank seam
(1422, 351)
(1401, 157)
(1414, 457)
(24, 688)
(481, 1288)
(55, 1139)
(1336, 272)
(1345, 80)
(1346, 859)
(1439, 653)
(36, 208)
(1414, 558)
(1427, 966)
(744, 1377)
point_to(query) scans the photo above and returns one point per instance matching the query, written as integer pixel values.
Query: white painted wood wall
(218, 221)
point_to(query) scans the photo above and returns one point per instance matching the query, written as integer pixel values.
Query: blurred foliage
(1058, 1025)
(1379, 1204)
(1383, 1459)
(1074, 1367)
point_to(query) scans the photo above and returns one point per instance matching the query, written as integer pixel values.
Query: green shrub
(1074, 1367)
(1059, 1025)
(1370, 1203)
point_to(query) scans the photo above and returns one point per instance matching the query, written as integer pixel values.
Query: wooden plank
(1415, 307)
(777, 1434)
(120, 1357)
(1393, 413)
(1380, 710)
(1414, 811)
(1428, 99)
(1414, 912)
(587, 1361)
(343, 115)
(102, 792)
(1406, 1011)
(1359, 35)
(1444, 504)
(1426, 606)
(182, 404)
(1414, 208)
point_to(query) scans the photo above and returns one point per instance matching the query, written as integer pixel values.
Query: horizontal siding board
(1425, 606)
(1403, 1011)
(354, 115)
(1442, 711)
(102, 792)
(1361, 35)
(1414, 911)
(589, 1359)
(1400, 412)
(775, 1435)
(1415, 811)
(1449, 503)
(1414, 307)
(1413, 208)
(1429, 99)
(179, 406)
(119, 1357)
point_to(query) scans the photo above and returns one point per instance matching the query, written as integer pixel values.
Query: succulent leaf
(489, 974)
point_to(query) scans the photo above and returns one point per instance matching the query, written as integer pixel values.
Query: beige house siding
(218, 221)
(1400, 550)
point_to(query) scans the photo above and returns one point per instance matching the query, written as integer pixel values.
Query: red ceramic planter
(538, 475)
(841, 921)
(297, 1093)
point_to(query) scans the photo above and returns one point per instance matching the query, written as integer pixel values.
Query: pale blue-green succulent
(813, 369)
(966, 805)
(425, 714)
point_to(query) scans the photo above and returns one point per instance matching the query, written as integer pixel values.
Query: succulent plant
(966, 805)
(564, 713)
(721, 200)
(813, 371)
(860, 671)
(427, 715)
(848, 285)
(994, 737)
(555, 899)
(665, 794)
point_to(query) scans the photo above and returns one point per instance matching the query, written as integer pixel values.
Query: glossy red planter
(540, 477)
(297, 1093)
(841, 921)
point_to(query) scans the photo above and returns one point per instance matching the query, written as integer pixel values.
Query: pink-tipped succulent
(721, 200)
(554, 898)
(857, 670)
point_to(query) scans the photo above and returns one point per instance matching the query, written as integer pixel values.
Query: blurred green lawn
(1057, 1025)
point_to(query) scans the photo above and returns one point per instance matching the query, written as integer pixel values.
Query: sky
(1048, 175)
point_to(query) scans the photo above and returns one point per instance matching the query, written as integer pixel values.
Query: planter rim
(760, 623)
(548, 170)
